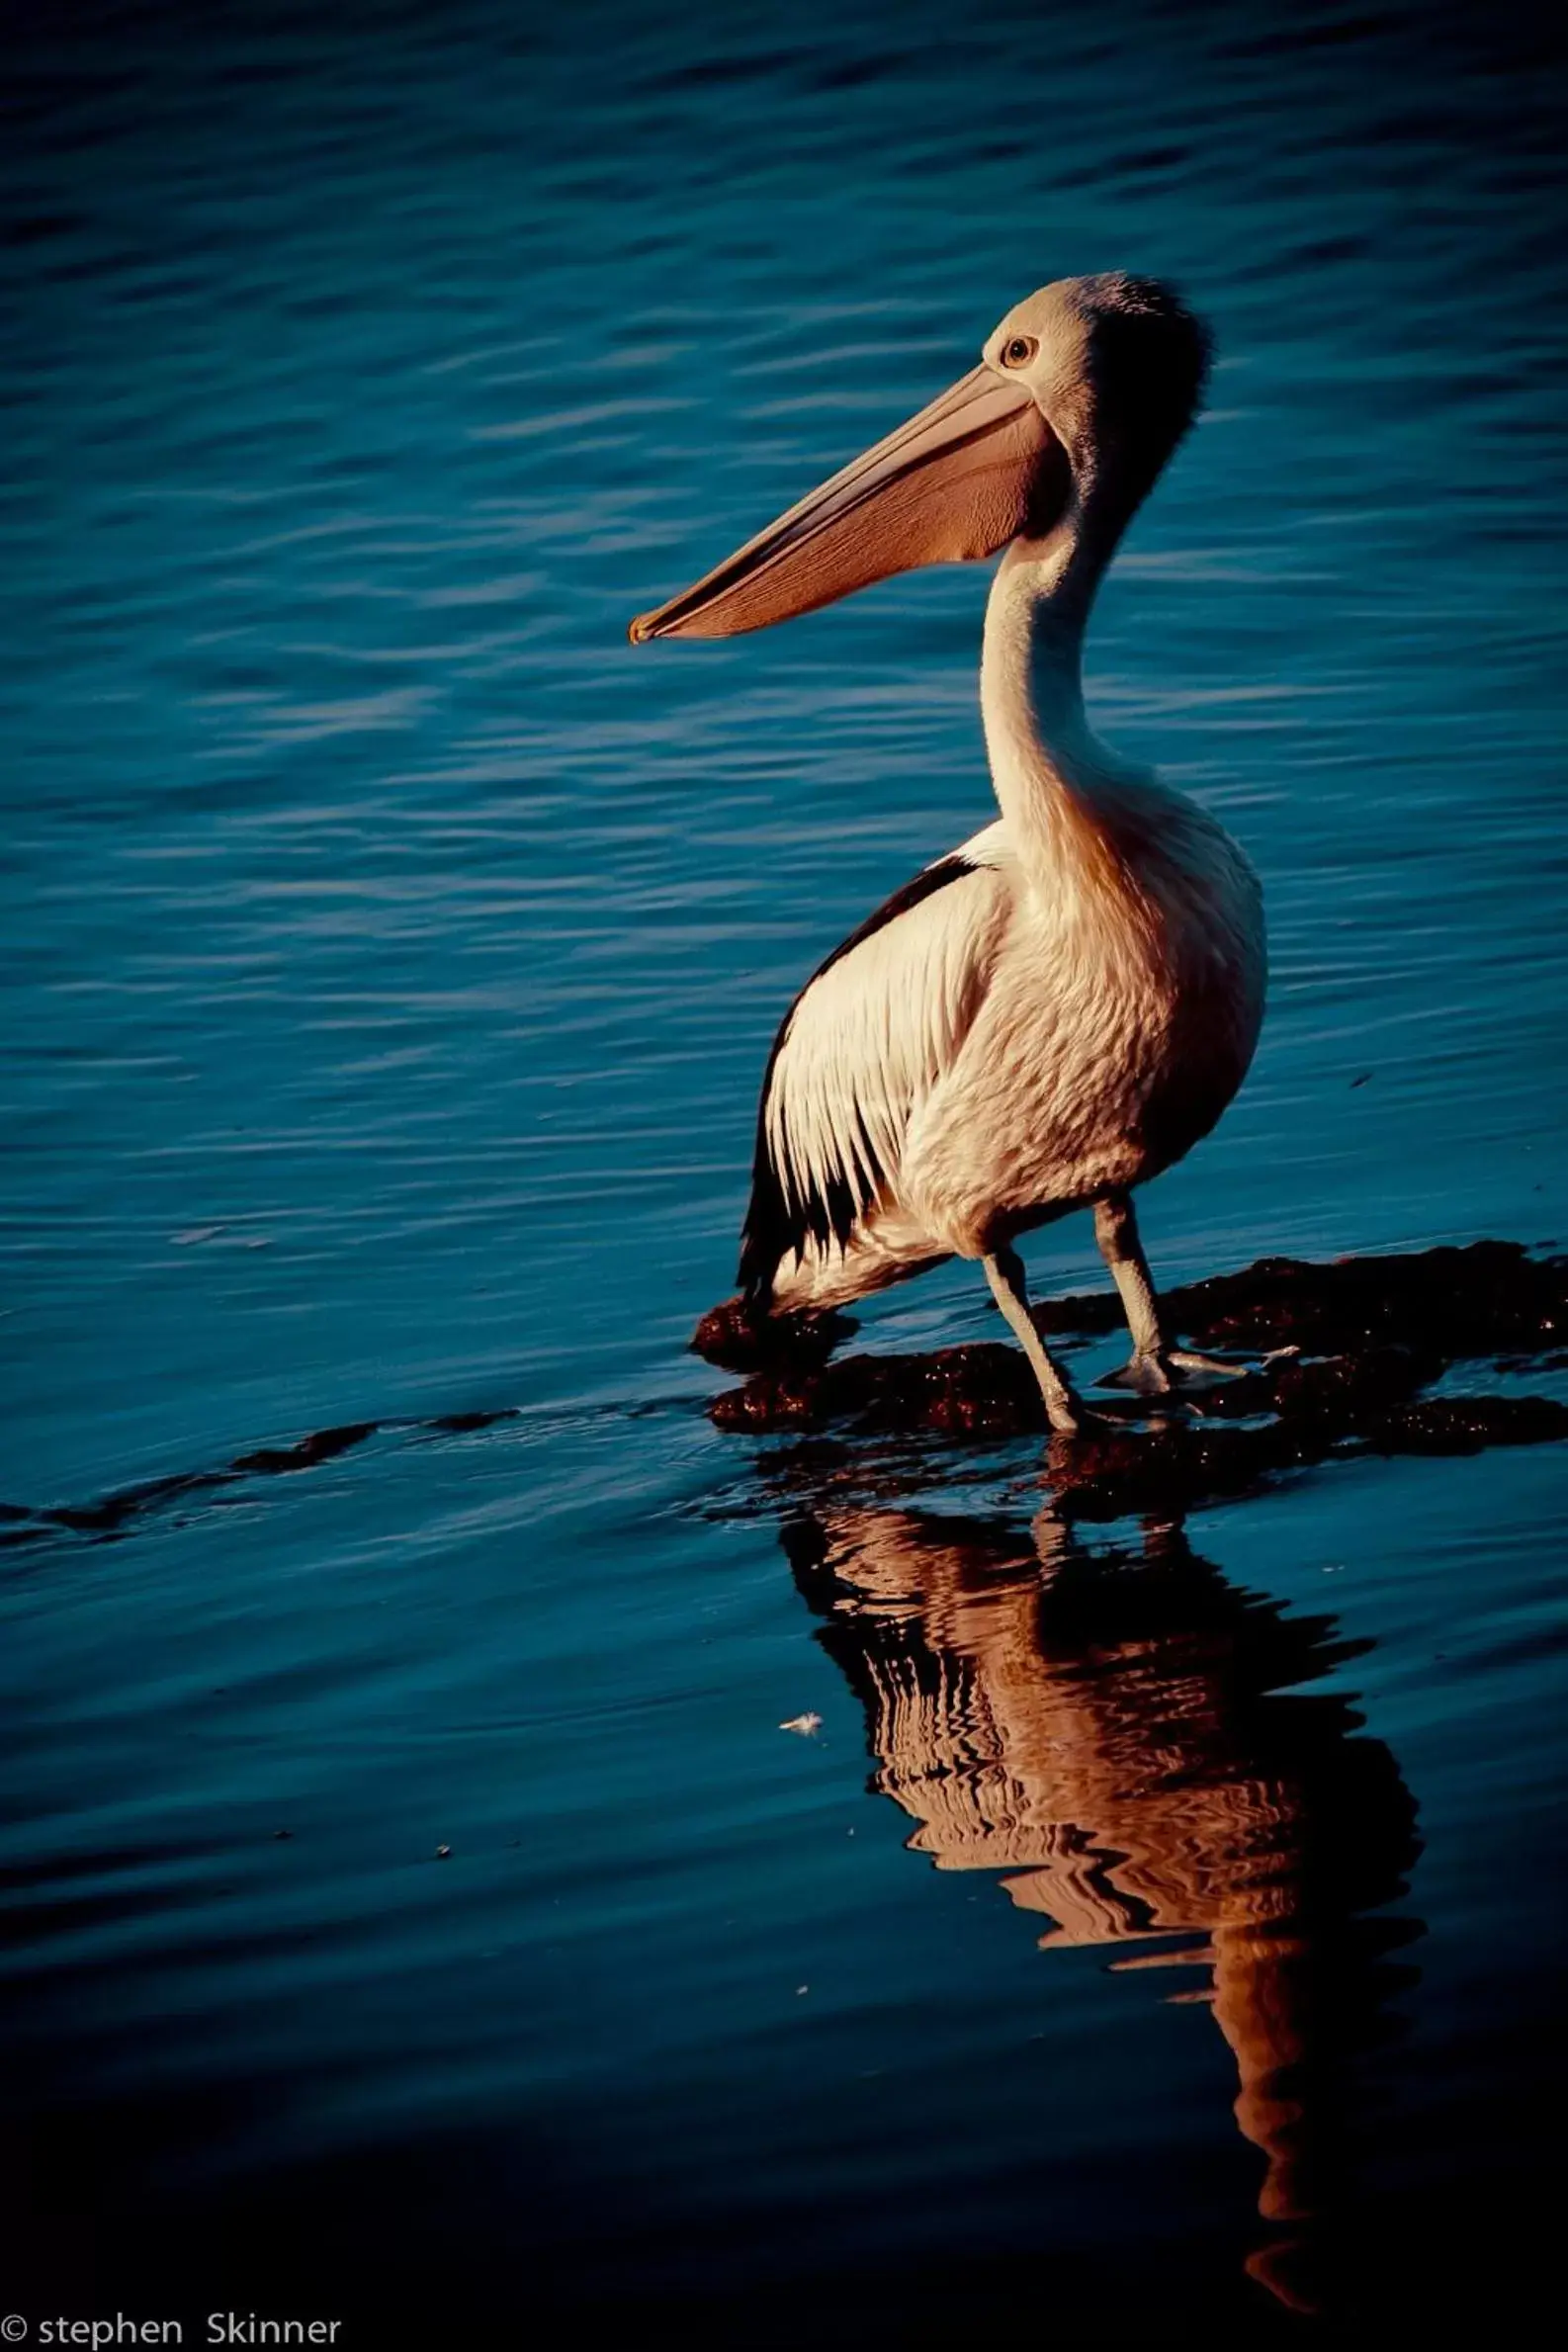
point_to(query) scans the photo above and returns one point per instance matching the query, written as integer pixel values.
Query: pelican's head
(1081, 396)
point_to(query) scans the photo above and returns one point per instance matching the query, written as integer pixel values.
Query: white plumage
(999, 1052)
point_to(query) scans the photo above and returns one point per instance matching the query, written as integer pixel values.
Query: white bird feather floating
(1064, 1006)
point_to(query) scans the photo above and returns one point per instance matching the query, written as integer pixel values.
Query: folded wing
(862, 1048)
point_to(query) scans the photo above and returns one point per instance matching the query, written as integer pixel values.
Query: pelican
(1064, 1007)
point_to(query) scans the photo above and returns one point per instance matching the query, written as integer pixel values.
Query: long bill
(955, 483)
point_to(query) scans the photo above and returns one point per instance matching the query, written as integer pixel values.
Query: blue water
(392, 953)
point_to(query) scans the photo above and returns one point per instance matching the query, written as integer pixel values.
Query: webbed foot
(1176, 1370)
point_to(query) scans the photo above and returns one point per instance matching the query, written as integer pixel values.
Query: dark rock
(1467, 1424)
(1360, 1341)
(738, 1339)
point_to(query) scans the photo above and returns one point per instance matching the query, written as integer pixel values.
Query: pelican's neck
(1045, 763)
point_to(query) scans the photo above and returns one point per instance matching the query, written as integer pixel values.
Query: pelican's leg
(1011, 1291)
(1156, 1369)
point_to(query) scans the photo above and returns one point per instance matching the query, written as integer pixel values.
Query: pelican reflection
(1125, 1738)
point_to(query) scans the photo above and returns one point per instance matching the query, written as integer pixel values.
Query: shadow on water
(1123, 1738)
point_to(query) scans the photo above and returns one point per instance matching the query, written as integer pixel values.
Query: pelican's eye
(1020, 352)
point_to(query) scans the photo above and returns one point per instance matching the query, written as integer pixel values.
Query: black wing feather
(777, 1223)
